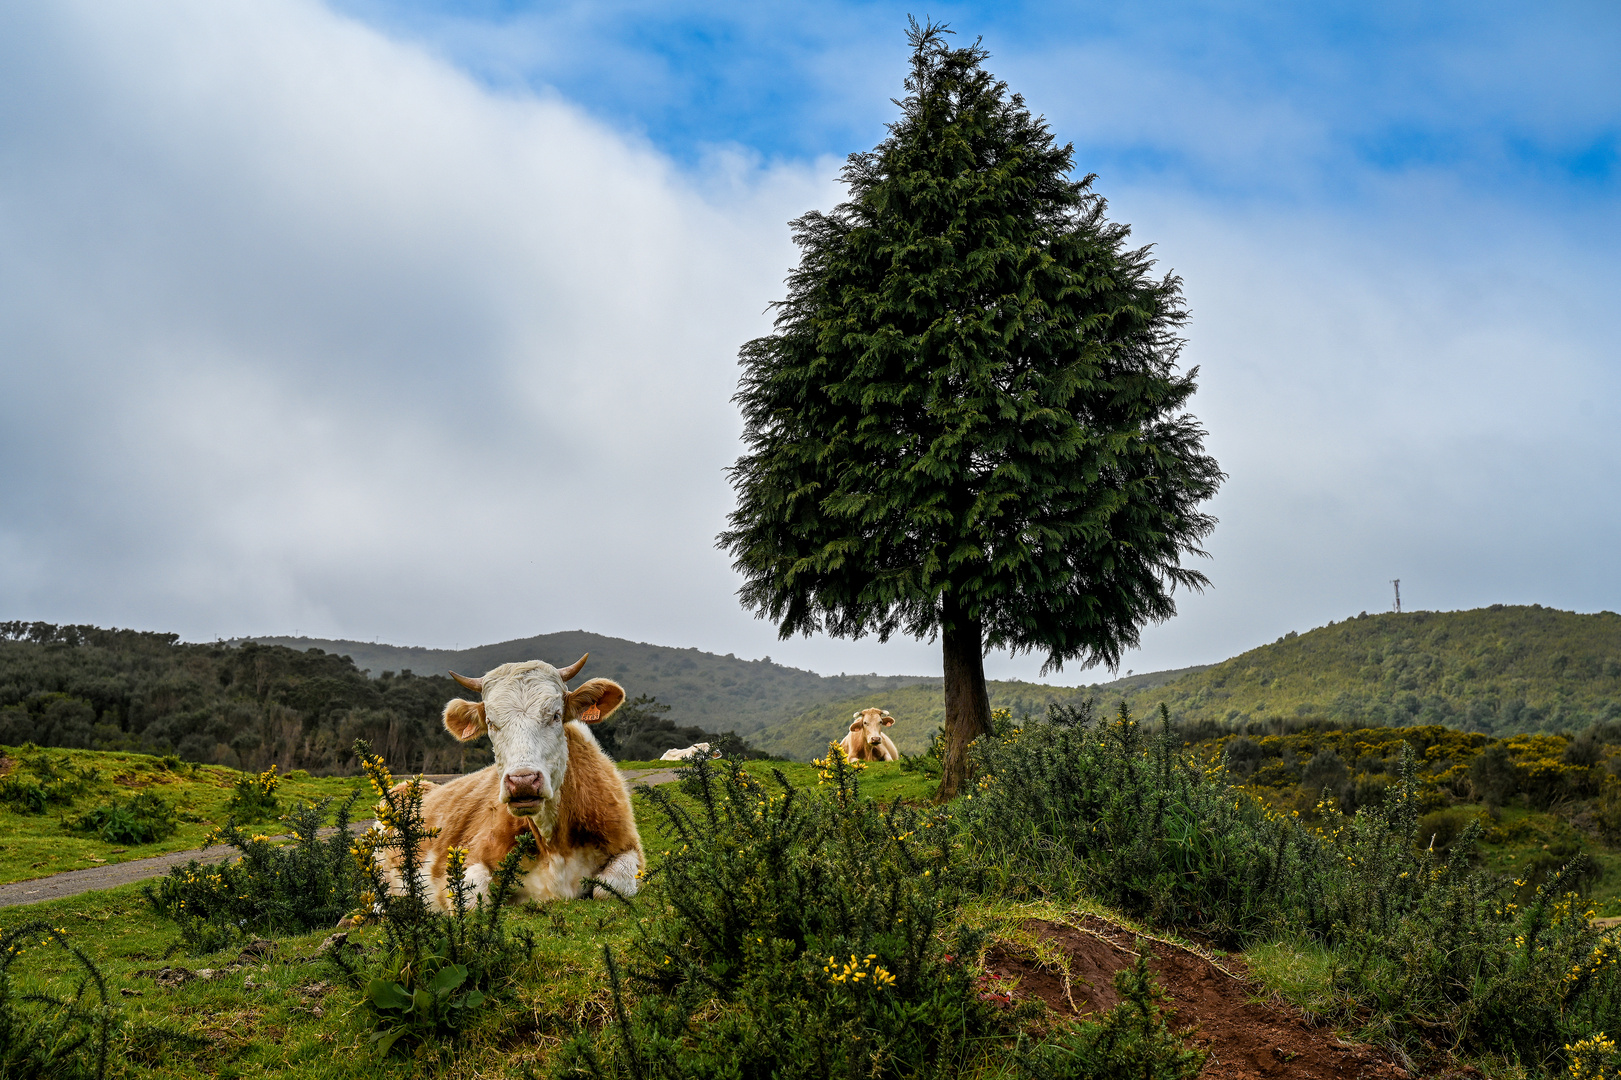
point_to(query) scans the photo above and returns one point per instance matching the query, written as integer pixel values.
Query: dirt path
(74, 882)
(1246, 1036)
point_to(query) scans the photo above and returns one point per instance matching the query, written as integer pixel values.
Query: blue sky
(418, 321)
(1493, 96)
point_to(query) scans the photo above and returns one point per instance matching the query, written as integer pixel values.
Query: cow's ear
(594, 701)
(858, 725)
(465, 719)
(886, 721)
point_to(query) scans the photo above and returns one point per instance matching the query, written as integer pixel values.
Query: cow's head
(524, 709)
(870, 725)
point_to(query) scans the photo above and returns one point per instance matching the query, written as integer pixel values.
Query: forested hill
(719, 693)
(248, 706)
(1499, 670)
(301, 703)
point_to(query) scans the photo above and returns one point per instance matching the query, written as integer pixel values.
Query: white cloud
(309, 332)
(303, 330)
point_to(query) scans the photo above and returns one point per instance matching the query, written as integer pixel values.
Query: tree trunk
(968, 706)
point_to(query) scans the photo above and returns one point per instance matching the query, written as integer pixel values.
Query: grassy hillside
(1497, 670)
(41, 837)
(718, 693)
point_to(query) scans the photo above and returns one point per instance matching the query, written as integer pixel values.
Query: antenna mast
(1397, 582)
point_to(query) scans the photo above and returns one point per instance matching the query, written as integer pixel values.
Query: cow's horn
(856, 715)
(567, 673)
(475, 685)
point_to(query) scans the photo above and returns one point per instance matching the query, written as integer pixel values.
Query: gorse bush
(813, 931)
(1078, 804)
(141, 819)
(435, 969)
(269, 888)
(1426, 942)
(253, 797)
(798, 933)
(52, 1035)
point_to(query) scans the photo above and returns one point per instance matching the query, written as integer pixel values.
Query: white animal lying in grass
(689, 753)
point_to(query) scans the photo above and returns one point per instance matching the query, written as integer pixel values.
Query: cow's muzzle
(526, 789)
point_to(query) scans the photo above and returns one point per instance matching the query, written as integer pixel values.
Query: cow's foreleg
(621, 873)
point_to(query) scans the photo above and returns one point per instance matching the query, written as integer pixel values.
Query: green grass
(918, 710)
(37, 845)
(881, 781)
(273, 1029)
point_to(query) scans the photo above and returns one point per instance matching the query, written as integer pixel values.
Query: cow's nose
(527, 784)
(876, 739)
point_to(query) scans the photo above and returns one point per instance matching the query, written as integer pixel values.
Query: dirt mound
(1246, 1036)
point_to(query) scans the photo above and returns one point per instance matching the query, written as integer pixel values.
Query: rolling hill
(1499, 670)
(719, 693)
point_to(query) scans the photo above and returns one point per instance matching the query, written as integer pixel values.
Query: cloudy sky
(418, 321)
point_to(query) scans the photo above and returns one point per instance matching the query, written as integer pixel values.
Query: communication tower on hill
(1397, 582)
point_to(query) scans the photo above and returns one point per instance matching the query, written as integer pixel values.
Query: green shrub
(1075, 804)
(1426, 941)
(814, 932)
(41, 781)
(141, 819)
(45, 1034)
(434, 969)
(269, 889)
(253, 798)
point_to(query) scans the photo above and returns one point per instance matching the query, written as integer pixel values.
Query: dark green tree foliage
(969, 421)
(249, 706)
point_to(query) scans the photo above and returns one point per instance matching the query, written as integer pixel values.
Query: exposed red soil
(1245, 1036)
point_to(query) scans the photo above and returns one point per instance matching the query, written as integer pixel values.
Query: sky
(417, 322)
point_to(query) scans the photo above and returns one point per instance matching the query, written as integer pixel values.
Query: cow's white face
(869, 724)
(524, 709)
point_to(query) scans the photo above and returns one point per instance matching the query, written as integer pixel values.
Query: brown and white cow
(550, 777)
(867, 741)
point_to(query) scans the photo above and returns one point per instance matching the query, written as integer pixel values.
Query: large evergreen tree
(969, 420)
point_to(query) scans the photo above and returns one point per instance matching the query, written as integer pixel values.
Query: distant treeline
(247, 706)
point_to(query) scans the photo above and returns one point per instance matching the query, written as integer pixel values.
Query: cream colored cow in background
(867, 741)
(695, 750)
